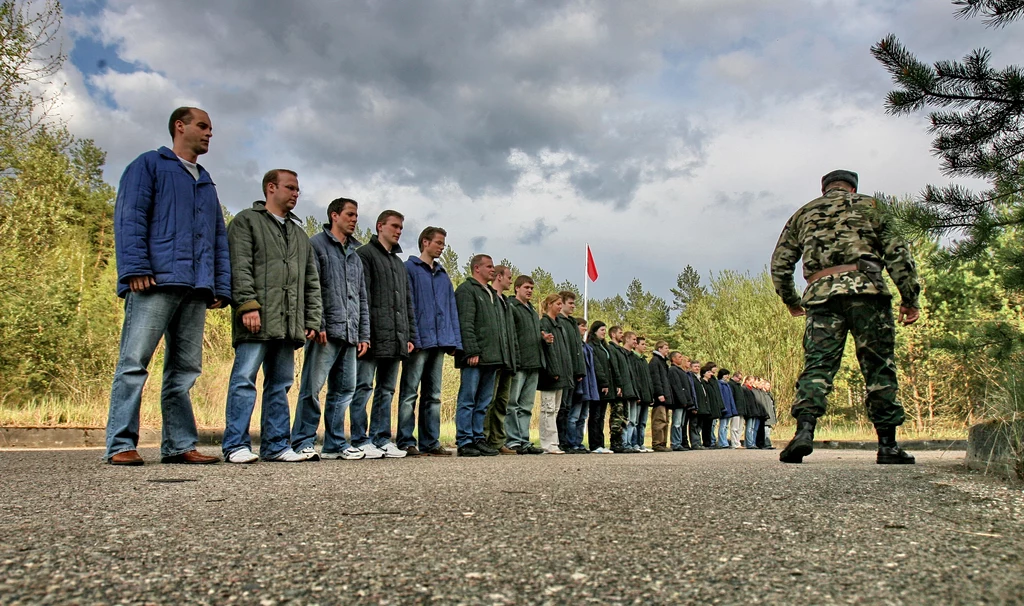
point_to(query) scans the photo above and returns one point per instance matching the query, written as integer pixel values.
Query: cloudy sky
(662, 133)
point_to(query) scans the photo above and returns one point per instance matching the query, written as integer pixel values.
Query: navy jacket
(588, 386)
(170, 226)
(346, 315)
(727, 397)
(433, 299)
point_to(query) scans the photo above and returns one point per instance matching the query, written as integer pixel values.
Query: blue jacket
(170, 226)
(346, 315)
(433, 300)
(727, 397)
(588, 386)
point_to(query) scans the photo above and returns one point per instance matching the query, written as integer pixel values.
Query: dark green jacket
(642, 374)
(273, 270)
(575, 345)
(509, 322)
(557, 360)
(603, 369)
(527, 331)
(623, 371)
(482, 324)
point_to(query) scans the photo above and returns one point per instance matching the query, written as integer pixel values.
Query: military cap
(839, 175)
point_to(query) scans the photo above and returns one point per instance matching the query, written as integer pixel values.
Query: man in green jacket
(275, 291)
(523, 391)
(574, 343)
(485, 350)
(494, 420)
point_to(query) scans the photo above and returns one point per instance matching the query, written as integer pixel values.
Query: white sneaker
(310, 453)
(349, 454)
(554, 450)
(288, 456)
(370, 451)
(391, 451)
(608, 451)
(242, 456)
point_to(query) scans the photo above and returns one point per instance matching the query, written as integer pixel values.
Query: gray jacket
(346, 315)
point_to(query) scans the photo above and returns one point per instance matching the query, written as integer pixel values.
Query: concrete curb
(997, 447)
(95, 437)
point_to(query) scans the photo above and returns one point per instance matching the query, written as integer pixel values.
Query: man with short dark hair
(661, 392)
(626, 391)
(485, 350)
(392, 333)
(523, 391)
(494, 420)
(437, 334)
(343, 337)
(171, 267)
(572, 398)
(646, 392)
(276, 297)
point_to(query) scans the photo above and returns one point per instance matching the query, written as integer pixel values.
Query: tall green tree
(687, 288)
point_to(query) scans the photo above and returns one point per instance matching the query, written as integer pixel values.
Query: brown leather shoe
(506, 450)
(440, 451)
(192, 457)
(128, 457)
(412, 451)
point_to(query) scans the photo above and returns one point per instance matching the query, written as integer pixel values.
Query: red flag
(591, 266)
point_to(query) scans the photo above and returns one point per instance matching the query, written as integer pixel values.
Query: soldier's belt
(831, 271)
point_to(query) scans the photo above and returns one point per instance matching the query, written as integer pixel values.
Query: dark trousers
(759, 440)
(562, 419)
(691, 430)
(595, 425)
(704, 422)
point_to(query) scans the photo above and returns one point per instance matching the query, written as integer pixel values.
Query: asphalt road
(678, 528)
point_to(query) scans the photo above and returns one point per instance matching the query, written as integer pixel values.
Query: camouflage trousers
(617, 423)
(869, 319)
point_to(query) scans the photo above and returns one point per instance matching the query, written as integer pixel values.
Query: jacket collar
(395, 250)
(436, 269)
(260, 206)
(166, 152)
(350, 242)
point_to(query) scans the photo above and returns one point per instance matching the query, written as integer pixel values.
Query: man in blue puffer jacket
(172, 264)
(437, 334)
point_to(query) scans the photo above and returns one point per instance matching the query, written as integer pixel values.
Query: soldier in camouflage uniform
(845, 244)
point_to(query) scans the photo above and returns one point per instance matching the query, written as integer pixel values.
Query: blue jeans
(475, 392)
(677, 427)
(421, 371)
(178, 315)
(335, 364)
(521, 398)
(632, 409)
(723, 433)
(386, 371)
(277, 358)
(578, 420)
(750, 440)
(641, 424)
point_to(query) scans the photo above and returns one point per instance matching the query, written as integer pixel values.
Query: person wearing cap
(845, 242)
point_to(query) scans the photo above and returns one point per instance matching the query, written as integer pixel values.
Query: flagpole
(586, 280)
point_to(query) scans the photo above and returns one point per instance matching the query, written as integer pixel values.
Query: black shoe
(889, 452)
(485, 449)
(802, 443)
(618, 450)
(533, 450)
(469, 450)
(582, 450)
(696, 448)
(679, 449)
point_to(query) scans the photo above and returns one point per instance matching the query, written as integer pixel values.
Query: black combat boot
(889, 452)
(802, 443)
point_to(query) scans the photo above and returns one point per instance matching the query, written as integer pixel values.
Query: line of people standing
(364, 318)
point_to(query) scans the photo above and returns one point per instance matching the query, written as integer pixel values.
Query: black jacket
(703, 404)
(642, 374)
(658, 368)
(604, 370)
(623, 371)
(715, 401)
(557, 372)
(680, 386)
(392, 318)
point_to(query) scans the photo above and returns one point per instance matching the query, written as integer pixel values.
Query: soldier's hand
(796, 311)
(411, 347)
(909, 315)
(472, 360)
(362, 348)
(251, 320)
(312, 334)
(321, 337)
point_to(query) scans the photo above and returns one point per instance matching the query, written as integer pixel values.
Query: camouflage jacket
(840, 228)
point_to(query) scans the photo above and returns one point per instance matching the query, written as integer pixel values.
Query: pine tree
(976, 116)
(687, 288)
